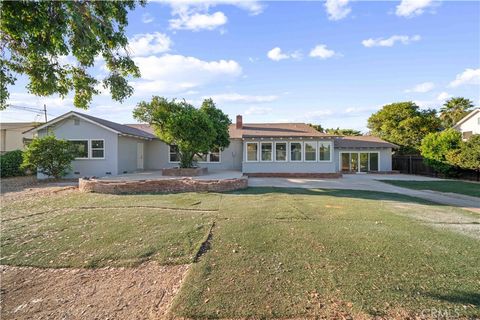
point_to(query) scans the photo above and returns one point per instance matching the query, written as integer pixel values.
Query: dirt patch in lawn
(145, 292)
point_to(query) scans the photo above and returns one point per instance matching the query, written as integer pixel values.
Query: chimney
(239, 124)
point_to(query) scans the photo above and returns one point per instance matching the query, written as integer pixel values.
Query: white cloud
(442, 96)
(337, 9)
(422, 87)
(389, 42)
(147, 18)
(252, 6)
(321, 51)
(198, 21)
(258, 111)
(410, 8)
(148, 44)
(276, 54)
(469, 76)
(235, 97)
(176, 73)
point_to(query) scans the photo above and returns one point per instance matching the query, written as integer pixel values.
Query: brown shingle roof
(274, 130)
(362, 142)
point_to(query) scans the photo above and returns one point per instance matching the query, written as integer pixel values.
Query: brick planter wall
(184, 172)
(161, 185)
(294, 175)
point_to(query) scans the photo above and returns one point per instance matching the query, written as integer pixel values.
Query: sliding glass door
(359, 161)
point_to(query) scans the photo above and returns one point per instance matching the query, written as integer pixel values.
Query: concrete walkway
(370, 182)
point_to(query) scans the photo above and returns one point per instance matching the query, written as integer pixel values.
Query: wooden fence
(415, 165)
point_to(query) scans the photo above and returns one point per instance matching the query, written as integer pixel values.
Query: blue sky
(332, 62)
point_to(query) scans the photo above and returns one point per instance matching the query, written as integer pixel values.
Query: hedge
(10, 163)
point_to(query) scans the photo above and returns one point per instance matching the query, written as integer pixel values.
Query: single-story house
(13, 135)
(108, 148)
(469, 125)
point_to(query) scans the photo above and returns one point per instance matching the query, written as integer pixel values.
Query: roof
(362, 142)
(468, 116)
(18, 125)
(275, 130)
(109, 125)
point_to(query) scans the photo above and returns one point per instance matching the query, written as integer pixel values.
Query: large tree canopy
(468, 155)
(453, 110)
(37, 36)
(404, 124)
(194, 131)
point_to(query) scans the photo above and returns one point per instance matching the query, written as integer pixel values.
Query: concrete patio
(157, 175)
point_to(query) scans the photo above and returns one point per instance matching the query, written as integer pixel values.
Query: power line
(31, 109)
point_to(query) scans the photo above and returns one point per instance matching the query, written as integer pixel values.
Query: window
(173, 154)
(81, 148)
(324, 150)
(266, 154)
(215, 155)
(373, 161)
(202, 157)
(252, 151)
(280, 151)
(310, 151)
(295, 151)
(98, 149)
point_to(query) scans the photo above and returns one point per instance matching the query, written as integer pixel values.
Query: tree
(454, 110)
(317, 127)
(437, 146)
(193, 131)
(50, 156)
(404, 124)
(38, 36)
(468, 155)
(344, 132)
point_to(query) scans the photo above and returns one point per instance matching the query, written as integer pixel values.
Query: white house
(469, 125)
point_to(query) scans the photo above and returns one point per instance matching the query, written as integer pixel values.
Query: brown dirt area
(144, 292)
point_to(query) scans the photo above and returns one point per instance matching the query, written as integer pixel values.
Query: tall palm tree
(453, 110)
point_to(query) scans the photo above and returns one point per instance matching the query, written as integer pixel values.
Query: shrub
(10, 164)
(436, 146)
(51, 156)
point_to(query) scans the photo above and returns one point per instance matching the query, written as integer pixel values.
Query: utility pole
(45, 112)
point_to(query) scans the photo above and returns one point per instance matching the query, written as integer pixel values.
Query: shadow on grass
(460, 297)
(341, 193)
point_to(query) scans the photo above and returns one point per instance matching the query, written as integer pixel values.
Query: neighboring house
(469, 125)
(13, 135)
(108, 148)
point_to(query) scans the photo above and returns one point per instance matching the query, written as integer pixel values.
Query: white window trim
(290, 151)
(331, 151)
(246, 151)
(91, 149)
(305, 151)
(208, 157)
(358, 152)
(286, 151)
(272, 150)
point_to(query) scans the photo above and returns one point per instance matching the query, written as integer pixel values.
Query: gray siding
(127, 154)
(66, 129)
(287, 167)
(157, 156)
(385, 157)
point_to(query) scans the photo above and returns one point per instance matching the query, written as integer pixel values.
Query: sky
(331, 62)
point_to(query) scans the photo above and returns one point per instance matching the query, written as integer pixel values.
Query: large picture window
(252, 151)
(98, 149)
(295, 151)
(266, 151)
(310, 151)
(280, 151)
(173, 154)
(81, 148)
(214, 155)
(324, 151)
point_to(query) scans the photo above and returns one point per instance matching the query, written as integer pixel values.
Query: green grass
(273, 252)
(460, 187)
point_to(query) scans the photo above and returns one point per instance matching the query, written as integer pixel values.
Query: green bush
(10, 164)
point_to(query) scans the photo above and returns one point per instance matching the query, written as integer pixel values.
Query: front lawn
(272, 252)
(460, 187)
